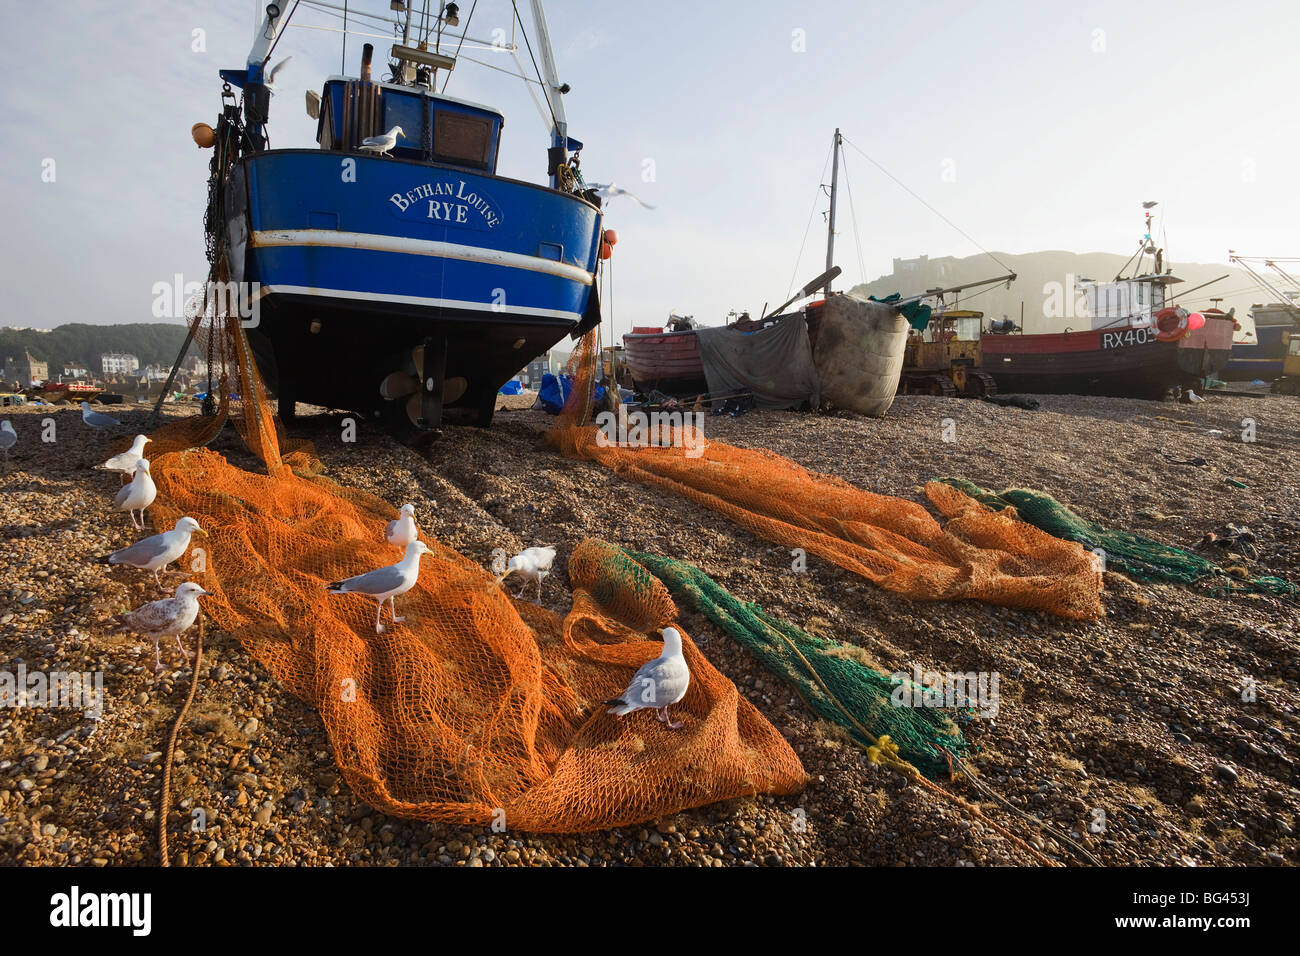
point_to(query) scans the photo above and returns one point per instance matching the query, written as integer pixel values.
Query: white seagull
(138, 495)
(96, 419)
(385, 584)
(156, 552)
(401, 531)
(8, 438)
(269, 80)
(534, 564)
(124, 461)
(382, 144)
(659, 683)
(608, 191)
(169, 617)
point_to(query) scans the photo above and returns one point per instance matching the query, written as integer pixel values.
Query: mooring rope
(165, 797)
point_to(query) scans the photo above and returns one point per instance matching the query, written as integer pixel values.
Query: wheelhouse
(437, 129)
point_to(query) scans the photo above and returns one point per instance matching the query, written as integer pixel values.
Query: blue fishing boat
(1260, 345)
(1259, 349)
(393, 272)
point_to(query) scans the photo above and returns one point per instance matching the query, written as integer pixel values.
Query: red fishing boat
(664, 359)
(71, 391)
(1138, 345)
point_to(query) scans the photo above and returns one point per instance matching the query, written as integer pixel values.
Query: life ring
(1171, 324)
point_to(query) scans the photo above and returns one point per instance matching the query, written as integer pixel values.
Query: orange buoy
(611, 236)
(606, 250)
(1195, 321)
(204, 136)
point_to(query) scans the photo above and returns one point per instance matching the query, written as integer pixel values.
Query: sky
(1028, 125)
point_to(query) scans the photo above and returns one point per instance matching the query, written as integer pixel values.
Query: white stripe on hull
(419, 300)
(417, 247)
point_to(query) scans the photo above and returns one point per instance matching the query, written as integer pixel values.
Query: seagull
(608, 191)
(96, 419)
(659, 683)
(385, 583)
(401, 531)
(156, 552)
(269, 81)
(138, 495)
(169, 617)
(8, 438)
(534, 564)
(382, 144)
(125, 461)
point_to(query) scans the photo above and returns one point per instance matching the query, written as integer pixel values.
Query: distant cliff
(1036, 272)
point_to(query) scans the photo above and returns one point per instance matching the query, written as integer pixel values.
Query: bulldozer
(945, 357)
(943, 354)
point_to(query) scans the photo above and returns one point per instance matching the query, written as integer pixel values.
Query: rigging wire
(811, 213)
(283, 27)
(904, 186)
(514, 5)
(343, 66)
(468, 20)
(857, 233)
(330, 8)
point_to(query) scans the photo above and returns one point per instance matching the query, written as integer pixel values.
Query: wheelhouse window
(462, 140)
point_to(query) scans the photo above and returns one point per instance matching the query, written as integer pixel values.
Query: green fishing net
(1134, 554)
(833, 679)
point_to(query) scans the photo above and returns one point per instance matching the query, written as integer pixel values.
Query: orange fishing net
(476, 709)
(894, 542)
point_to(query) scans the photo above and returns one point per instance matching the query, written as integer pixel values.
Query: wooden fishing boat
(1138, 345)
(1122, 362)
(71, 391)
(1260, 347)
(667, 361)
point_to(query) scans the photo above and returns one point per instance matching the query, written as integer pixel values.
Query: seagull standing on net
(534, 564)
(138, 495)
(382, 144)
(385, 584)
(156, 552)
(96, 419)
(401, 531)
(608, 191)
(658, 684)
(125, 461)
(8, 438)
(169, 617)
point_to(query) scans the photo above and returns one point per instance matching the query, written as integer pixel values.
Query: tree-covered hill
(80, 344)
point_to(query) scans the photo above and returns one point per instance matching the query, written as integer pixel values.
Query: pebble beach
(1174, 715)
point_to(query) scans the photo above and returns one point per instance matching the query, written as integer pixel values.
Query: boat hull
(357, 261)
(1129, 362)
(1258, 360)
(667, 361)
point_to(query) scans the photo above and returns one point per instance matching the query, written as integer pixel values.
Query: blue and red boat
(395, 276)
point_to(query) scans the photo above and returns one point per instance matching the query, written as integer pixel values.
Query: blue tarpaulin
(512, 387)
(554, 392)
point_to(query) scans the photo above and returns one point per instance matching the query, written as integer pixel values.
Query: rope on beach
(165, 797)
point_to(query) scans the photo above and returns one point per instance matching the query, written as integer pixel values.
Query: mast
(830, 220)
(559, 152)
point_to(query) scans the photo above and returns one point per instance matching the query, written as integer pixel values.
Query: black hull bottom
(356, 345)
(1167, 369)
